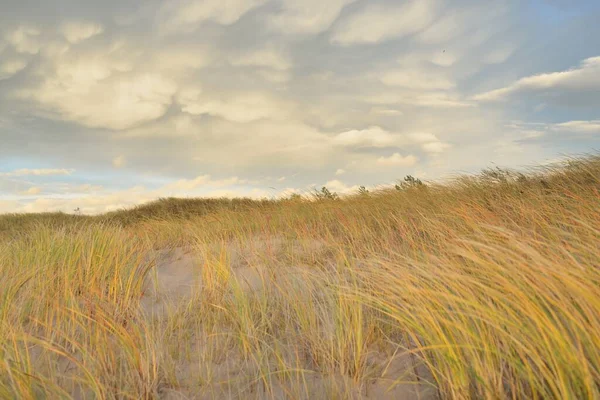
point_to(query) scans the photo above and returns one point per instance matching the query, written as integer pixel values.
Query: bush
(410, 182)
(325, 194)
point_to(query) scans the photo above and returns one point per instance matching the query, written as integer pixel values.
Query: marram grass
(486, 287)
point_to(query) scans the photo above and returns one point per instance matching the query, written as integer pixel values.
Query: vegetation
(487, 287)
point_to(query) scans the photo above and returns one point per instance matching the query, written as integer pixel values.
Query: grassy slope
(493, 282)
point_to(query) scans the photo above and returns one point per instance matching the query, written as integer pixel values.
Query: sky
(108, 104)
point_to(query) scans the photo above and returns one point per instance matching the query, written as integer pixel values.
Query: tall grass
(484, 287)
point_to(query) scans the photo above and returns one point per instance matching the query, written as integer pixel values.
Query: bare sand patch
(260, 270)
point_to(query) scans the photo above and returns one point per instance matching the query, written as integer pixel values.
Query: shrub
(410, 182)
(325, 194)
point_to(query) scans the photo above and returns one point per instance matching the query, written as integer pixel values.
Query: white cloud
(180, 59)
(444, 58)
(432, 99)
(254, 193)
(429, 142)
(261, 143)
(93, 92)
(441, 100)
(25, 39)
(445, 28)
(240, 107)
(499, 55)
(415, 79)
(88, 204)
(340, 187)
(76, 32)
(186, 15)
(90, 200)
(183, 185)
(398, 160)
(268, 58)
(37, 172)
(373, 136)
(583, 78)
(422, 137)
(9, 68)
(386, 111)
(307, 16)
(579, 126)
(32, 191)
(9, 206)
(377, 23)
(339, 172)
(435, 147)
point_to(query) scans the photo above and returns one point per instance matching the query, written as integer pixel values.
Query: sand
(176, 281)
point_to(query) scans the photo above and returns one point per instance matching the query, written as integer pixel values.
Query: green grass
(485, 287)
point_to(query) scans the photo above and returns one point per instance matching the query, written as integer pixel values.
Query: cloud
(386, 111)
(9, 206)
(96, 93)
(445, 28)
(499, 55)
(32, 191)
(306, 16)
(241, 107)
(237, 90)
(180, 59)
(373, 136)
(414, 79)
(200, 181)
(433, 99)
(25, 39)
(398, 160)
(9, 68)
(579, 126)
(187, 15)
(585, 77)
(37, 172)
(267, 58)
(88, 204)
(180, 125)
(91, 201)
(444, 59)
(76, 32)
(429, 142)
(119, 161)
(190, 141)
(340, 187)
(376, 23)
(435, 147)
(422, 137)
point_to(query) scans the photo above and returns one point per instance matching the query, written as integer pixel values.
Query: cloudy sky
(105, 104)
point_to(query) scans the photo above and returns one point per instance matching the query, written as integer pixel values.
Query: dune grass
(487, 287)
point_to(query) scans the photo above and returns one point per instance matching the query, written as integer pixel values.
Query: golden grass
(486, 287)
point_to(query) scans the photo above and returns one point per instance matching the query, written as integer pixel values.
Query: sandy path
(177, 278)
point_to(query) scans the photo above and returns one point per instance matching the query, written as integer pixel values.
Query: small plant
(409, 182)
(497, 175)
(325, 194)
(295, 197)
(363, 191)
